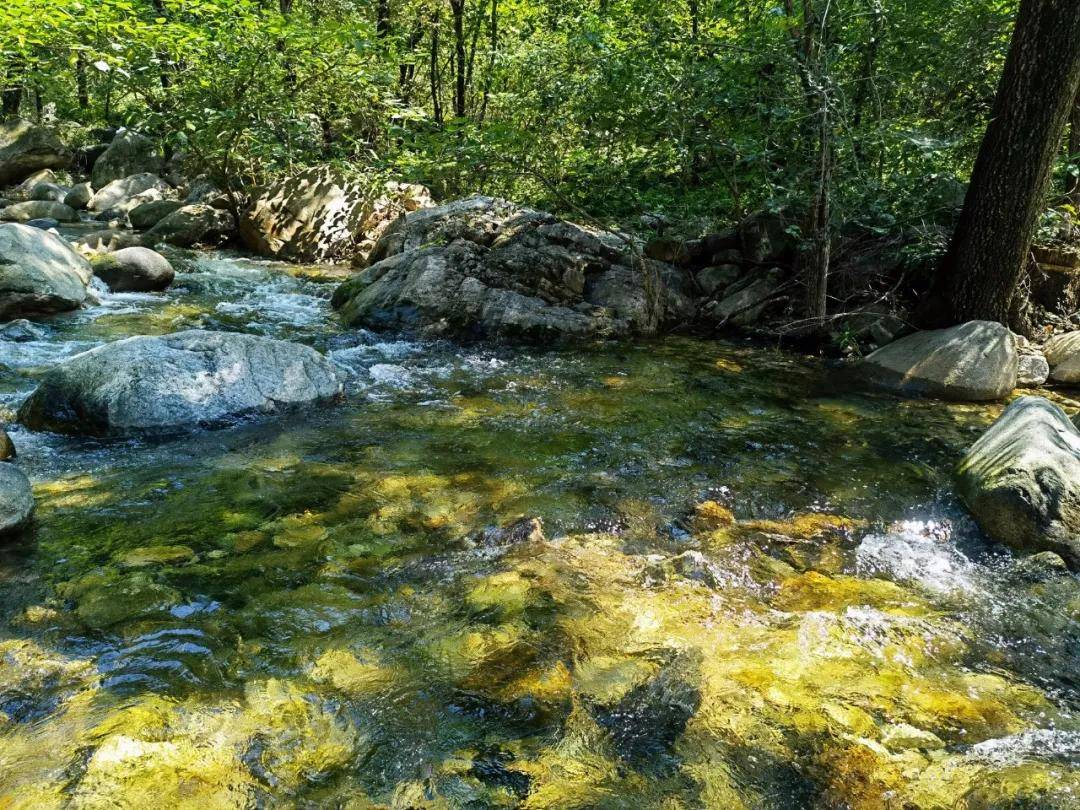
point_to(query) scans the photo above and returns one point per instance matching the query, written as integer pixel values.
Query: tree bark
(989, 250)
(382, 19)
(436, 94)
(82, 92)
(1072, 183)
(457, 7)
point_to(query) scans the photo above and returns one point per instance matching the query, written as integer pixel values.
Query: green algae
(304, 615)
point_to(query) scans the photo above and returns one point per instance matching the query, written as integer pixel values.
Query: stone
(744, 302)
(128, 193)
(1021, 480)
(86, 156)
(1032, 371)
(7, 446)
(319, 215)
(108, 239)
(129, 153)
(133, 269)
(26, 148)
(22, 331)
(38, 209)
(16, 499)
(192, 225)
(44, 176)
(48, 192)
(765, 238)
(79, 197)
(149, 214)
(485, 268)
(975, 361)
(163, 385)
(44, 224)
(39, 273)
(716, 279)
(1063, 354)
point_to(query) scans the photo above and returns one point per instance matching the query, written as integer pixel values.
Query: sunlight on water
(742, 587)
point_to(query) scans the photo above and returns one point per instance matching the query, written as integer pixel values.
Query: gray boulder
(717, 278)
(149, 214)
(133, 269)
(129, 153)
(26, 148)
(22, 331)
(1021, 479)
(45, 223)
(128, 193)
(164, 385)
(7, 446)
(1032, 371)
(108, 239)
(39, 273)
(16, 499)
(48, 192)
(79, 197)
(1063, 355)
(39, 209)
(974, 361)
(319, 215)
(485, 268)
(744, 301)
(192, 225)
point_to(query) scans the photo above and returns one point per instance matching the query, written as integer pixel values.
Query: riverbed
(730, 581)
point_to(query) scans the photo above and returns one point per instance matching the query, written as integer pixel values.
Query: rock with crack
(129, 153)
(975, 361)
(127, 193)
(26, 148)
(320, 215)
(39, 273)
(485, 268)
(165, 385)
(192, 225)
(1021, 479)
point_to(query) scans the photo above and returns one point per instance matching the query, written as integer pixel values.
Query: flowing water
(752, 588)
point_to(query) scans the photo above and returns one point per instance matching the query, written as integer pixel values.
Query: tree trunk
(493, 45)
(382, 19)
(82, 91)
(436, 95)
(1072, 183)
(989, 250)
(457, 7)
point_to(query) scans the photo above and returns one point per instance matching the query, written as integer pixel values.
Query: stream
(753, 587)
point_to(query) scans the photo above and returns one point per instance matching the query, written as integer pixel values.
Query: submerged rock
(319, 215)
(39, 209)
(129, 153)
(973, 361)
(1021, 479)
(134, 269)
(16, 499)
(22, 331)
(42, 224)
(39, 273)
(162, 385)
(26, 148)
(192, 225)
(485, 268)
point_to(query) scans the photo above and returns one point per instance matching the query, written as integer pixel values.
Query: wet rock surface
(160, 385)
(39, 273)
(16, 499)
(485, 268)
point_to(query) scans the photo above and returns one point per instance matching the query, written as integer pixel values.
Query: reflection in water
(750, 589)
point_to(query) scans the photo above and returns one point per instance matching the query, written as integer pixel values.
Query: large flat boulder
(39, 273)
(16, 499)
(129, 153)
(1021, 479)
(128, 193)
(26, 148)
(974, 361)
(319, 215)
(164, 385)
(485, 268)
(38, 209)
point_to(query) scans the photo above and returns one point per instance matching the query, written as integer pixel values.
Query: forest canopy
(702, 110)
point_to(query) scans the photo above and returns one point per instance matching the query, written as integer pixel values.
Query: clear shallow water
(753, 588)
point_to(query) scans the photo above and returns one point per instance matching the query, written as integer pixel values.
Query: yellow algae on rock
(156, 555)
(349, 672)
